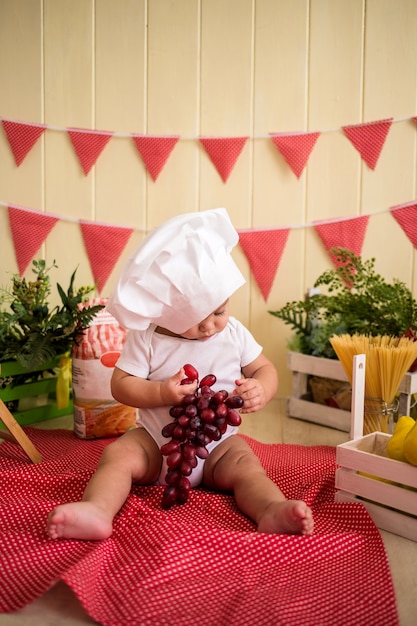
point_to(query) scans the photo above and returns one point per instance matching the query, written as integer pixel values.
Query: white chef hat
(179, 274)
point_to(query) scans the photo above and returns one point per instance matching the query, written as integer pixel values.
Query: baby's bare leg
(232, 466)
(134, 457)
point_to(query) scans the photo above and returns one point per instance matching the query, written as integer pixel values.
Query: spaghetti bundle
(387, 361)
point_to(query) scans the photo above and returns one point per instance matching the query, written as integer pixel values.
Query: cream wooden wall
(216, 68)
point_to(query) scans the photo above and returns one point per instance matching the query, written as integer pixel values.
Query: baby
(173, 296)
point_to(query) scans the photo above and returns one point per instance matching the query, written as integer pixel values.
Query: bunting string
(263, 247)
(295, 148)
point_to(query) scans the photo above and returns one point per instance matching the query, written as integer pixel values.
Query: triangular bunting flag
(154, 151)
(21, 137)
(295, 148)
(369, 139)
(29, 231)
(104, 245)
(263, 249)
(88, 145)
(406, 217)
(348, 233)
(223, 152)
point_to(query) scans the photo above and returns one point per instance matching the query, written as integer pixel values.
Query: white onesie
(154, 356)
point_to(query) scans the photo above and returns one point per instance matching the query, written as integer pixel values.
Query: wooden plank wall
(216, 68)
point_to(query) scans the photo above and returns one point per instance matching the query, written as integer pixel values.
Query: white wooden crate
(301, 406)
(364, 469)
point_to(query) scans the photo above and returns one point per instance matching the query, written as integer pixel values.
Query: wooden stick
(17, 435)
(358, 396)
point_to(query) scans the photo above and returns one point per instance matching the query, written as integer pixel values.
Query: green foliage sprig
(32, 333)
(357, 300)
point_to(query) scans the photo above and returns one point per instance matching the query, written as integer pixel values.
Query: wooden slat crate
(35, 400)
(301, 406)
(387, 488)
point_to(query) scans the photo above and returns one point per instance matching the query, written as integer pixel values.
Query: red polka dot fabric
(21, 137)
(155, 152)
(223, 152)
(201, 562)
(296, 149)
(406, 217)
(104, 245)
(349, 234)
(29, 230)
(88, 146)
(264, 249)
(369, 139)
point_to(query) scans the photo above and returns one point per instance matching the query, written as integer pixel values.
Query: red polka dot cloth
(295, 149)
(22, 137)
(200, 563)
(104, 245)
(369, 139)
(155, 152)
(348, 234)
(88, 146)
(264, 249)
(29, 231)
(406, 216)
(223, 152)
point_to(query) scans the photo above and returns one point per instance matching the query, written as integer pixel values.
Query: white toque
(179, 274)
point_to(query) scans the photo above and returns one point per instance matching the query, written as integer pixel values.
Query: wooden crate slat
(370, 488)
(36, 400)
(28, 390)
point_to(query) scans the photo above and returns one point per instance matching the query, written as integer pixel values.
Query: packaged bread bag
(96, 412)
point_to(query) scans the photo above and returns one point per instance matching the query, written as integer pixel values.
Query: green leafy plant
(357, 300)
(31, 332)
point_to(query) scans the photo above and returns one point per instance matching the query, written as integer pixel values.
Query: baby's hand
(172, 392)
(252, 393)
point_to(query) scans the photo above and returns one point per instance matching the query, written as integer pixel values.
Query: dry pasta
(387, 361)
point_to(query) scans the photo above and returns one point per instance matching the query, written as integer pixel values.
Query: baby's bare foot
(291, 517)
(78, 520)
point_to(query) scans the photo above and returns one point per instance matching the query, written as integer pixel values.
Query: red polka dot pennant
(223, 152)
(154, 151)
(348, 234)
(88, 146)
(22, 137)
(369, 139)
(29, 231)
(295, 148)
(264, 249)
(406, 216)
(104, 245)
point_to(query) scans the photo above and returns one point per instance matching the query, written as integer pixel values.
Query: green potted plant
(36, 339)
(351, 298)
(357, 300)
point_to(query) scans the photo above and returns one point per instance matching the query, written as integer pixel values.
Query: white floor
(60, 607)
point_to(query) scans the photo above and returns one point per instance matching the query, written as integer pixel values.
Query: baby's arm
(259, 385)
(143, 393)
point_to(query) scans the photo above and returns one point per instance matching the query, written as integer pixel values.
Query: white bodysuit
(154, 356)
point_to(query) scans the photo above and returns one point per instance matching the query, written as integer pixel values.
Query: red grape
(171, 446)
(234, 402)
(187, 381)
(233, 418)
(200, 418)
(221, 410)
(208, 381)
(220, 396)
(174, 459)
(190, 372)
(208, 415)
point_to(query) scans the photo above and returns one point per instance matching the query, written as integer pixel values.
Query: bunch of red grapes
(201, 417)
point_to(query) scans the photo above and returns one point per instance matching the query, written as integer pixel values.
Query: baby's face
(211, 325)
